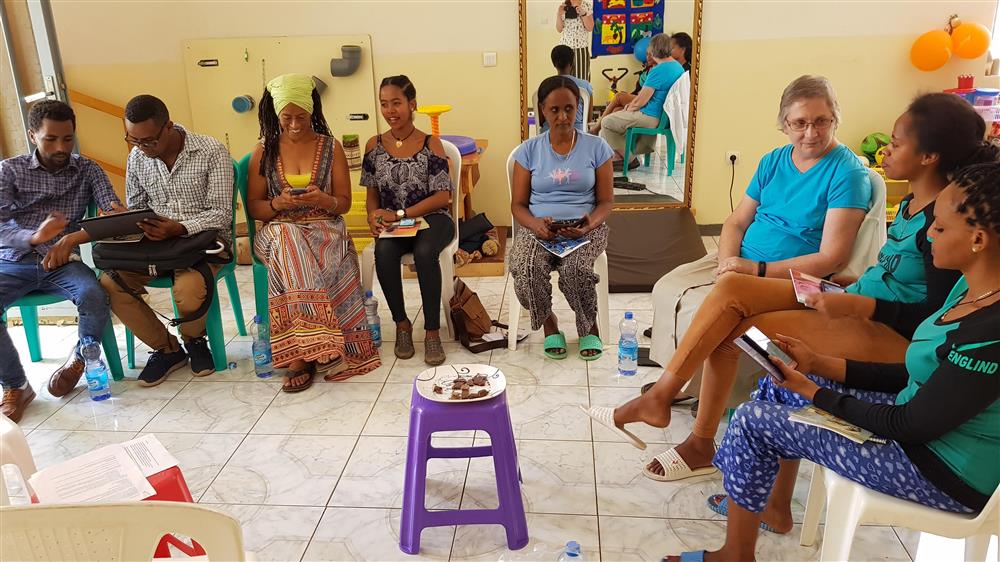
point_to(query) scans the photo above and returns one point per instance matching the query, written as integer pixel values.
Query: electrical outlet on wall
(733, 153)
(489, 59)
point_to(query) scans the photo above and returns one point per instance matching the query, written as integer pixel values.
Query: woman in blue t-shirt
(562, 189)
(645, 109)
(937, 412)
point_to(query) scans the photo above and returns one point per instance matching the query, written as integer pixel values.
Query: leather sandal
(403, 348)
(287, 386)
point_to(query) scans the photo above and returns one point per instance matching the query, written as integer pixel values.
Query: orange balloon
(931, 50)
(970, 40)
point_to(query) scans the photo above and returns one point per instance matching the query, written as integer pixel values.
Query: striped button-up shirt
(29, 193)
(197, 192)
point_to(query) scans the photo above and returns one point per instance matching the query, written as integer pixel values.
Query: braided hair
(270, 128)
(980, 184)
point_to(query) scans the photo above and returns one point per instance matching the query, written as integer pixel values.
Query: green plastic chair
(662, 128)
(216, 337)
(29, 317)
(259, 269)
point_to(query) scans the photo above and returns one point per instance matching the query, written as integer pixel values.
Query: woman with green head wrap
(299, 186)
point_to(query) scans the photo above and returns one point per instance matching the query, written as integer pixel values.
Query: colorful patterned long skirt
(316, 305)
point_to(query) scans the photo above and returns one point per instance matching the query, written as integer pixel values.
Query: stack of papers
(115, 473)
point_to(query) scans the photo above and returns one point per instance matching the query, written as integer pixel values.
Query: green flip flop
(555, 341)
(590, 342)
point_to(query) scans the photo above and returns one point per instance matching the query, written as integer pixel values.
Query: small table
(470, 176)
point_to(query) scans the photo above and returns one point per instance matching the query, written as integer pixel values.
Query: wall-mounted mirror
(613, 32)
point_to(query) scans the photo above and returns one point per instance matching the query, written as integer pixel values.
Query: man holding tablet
(43, 197)
(187, 180)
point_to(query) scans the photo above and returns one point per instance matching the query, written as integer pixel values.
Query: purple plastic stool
(428, 417)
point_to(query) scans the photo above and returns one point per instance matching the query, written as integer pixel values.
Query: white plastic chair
(114, 531)
(585, 100)
(447, 256)
(14, 448)
(600, 267)
(872, 234)
(850, 504)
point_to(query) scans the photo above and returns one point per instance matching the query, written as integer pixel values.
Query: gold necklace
(985, 295)
(399, 141)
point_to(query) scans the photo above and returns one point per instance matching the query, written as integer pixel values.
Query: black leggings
(426, 246)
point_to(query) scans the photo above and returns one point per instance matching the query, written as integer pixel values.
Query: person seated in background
(645, 109)
(299, 186)
(187, 180)
(406, 173)
(802, 211)
(562, 175)
(680, 49)
(562, 59)
(938, 410)
(935, 138)
(43, 197)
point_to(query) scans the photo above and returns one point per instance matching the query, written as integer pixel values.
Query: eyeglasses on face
(799, 125)
(146, 143)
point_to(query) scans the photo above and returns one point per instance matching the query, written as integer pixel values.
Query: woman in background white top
(575, 21)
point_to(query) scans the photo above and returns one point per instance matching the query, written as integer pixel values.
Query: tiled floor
(318, 475)
(655, 177)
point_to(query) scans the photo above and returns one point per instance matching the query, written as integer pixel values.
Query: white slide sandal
(674, 468)
(606, 417)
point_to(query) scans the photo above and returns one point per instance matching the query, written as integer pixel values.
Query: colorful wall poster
(619, 24)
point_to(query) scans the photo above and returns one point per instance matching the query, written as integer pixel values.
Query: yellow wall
(751, 50)
(114, 50)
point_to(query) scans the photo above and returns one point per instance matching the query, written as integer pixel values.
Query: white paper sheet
(106, 475)
(149, 454)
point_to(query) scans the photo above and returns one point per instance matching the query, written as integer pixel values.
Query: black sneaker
(202, 363)
(161, 364)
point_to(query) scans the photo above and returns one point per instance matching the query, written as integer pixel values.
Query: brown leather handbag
(471, 320)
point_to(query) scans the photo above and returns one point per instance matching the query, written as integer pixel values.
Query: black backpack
(160, 258)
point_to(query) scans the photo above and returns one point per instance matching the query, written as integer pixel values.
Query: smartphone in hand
(556, 226)
(299, 191)
(759, 347)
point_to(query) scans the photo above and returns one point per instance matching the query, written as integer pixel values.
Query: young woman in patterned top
(406, 173)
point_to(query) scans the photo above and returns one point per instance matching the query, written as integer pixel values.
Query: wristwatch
(400, 214)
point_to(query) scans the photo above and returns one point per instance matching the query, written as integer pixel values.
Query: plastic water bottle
(628, 346)
(374, 324)
(572, 552)
(262, 348)
(96, 371)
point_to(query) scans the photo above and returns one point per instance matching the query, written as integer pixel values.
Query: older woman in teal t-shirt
(562, 191)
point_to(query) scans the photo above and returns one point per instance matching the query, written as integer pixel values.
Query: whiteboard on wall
(242, 66)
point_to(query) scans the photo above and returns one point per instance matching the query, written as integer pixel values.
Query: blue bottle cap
(256, 318)
(573, 547)
(369, 294)
(628, 315)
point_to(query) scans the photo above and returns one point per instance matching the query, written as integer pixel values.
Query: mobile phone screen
(766, 346)
(298, 191)
(407, 222)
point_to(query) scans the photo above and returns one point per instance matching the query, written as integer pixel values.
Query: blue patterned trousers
(760, 435)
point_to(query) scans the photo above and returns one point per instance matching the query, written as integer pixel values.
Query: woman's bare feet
(642, 409)
(697, 452)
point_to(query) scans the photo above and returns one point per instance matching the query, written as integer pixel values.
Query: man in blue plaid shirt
(43, 196)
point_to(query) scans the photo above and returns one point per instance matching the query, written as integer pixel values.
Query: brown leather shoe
(15, 400)
(64, 380)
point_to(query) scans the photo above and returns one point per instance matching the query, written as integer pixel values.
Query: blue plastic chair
(213, 327)
(662, 128)
(29, 317)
